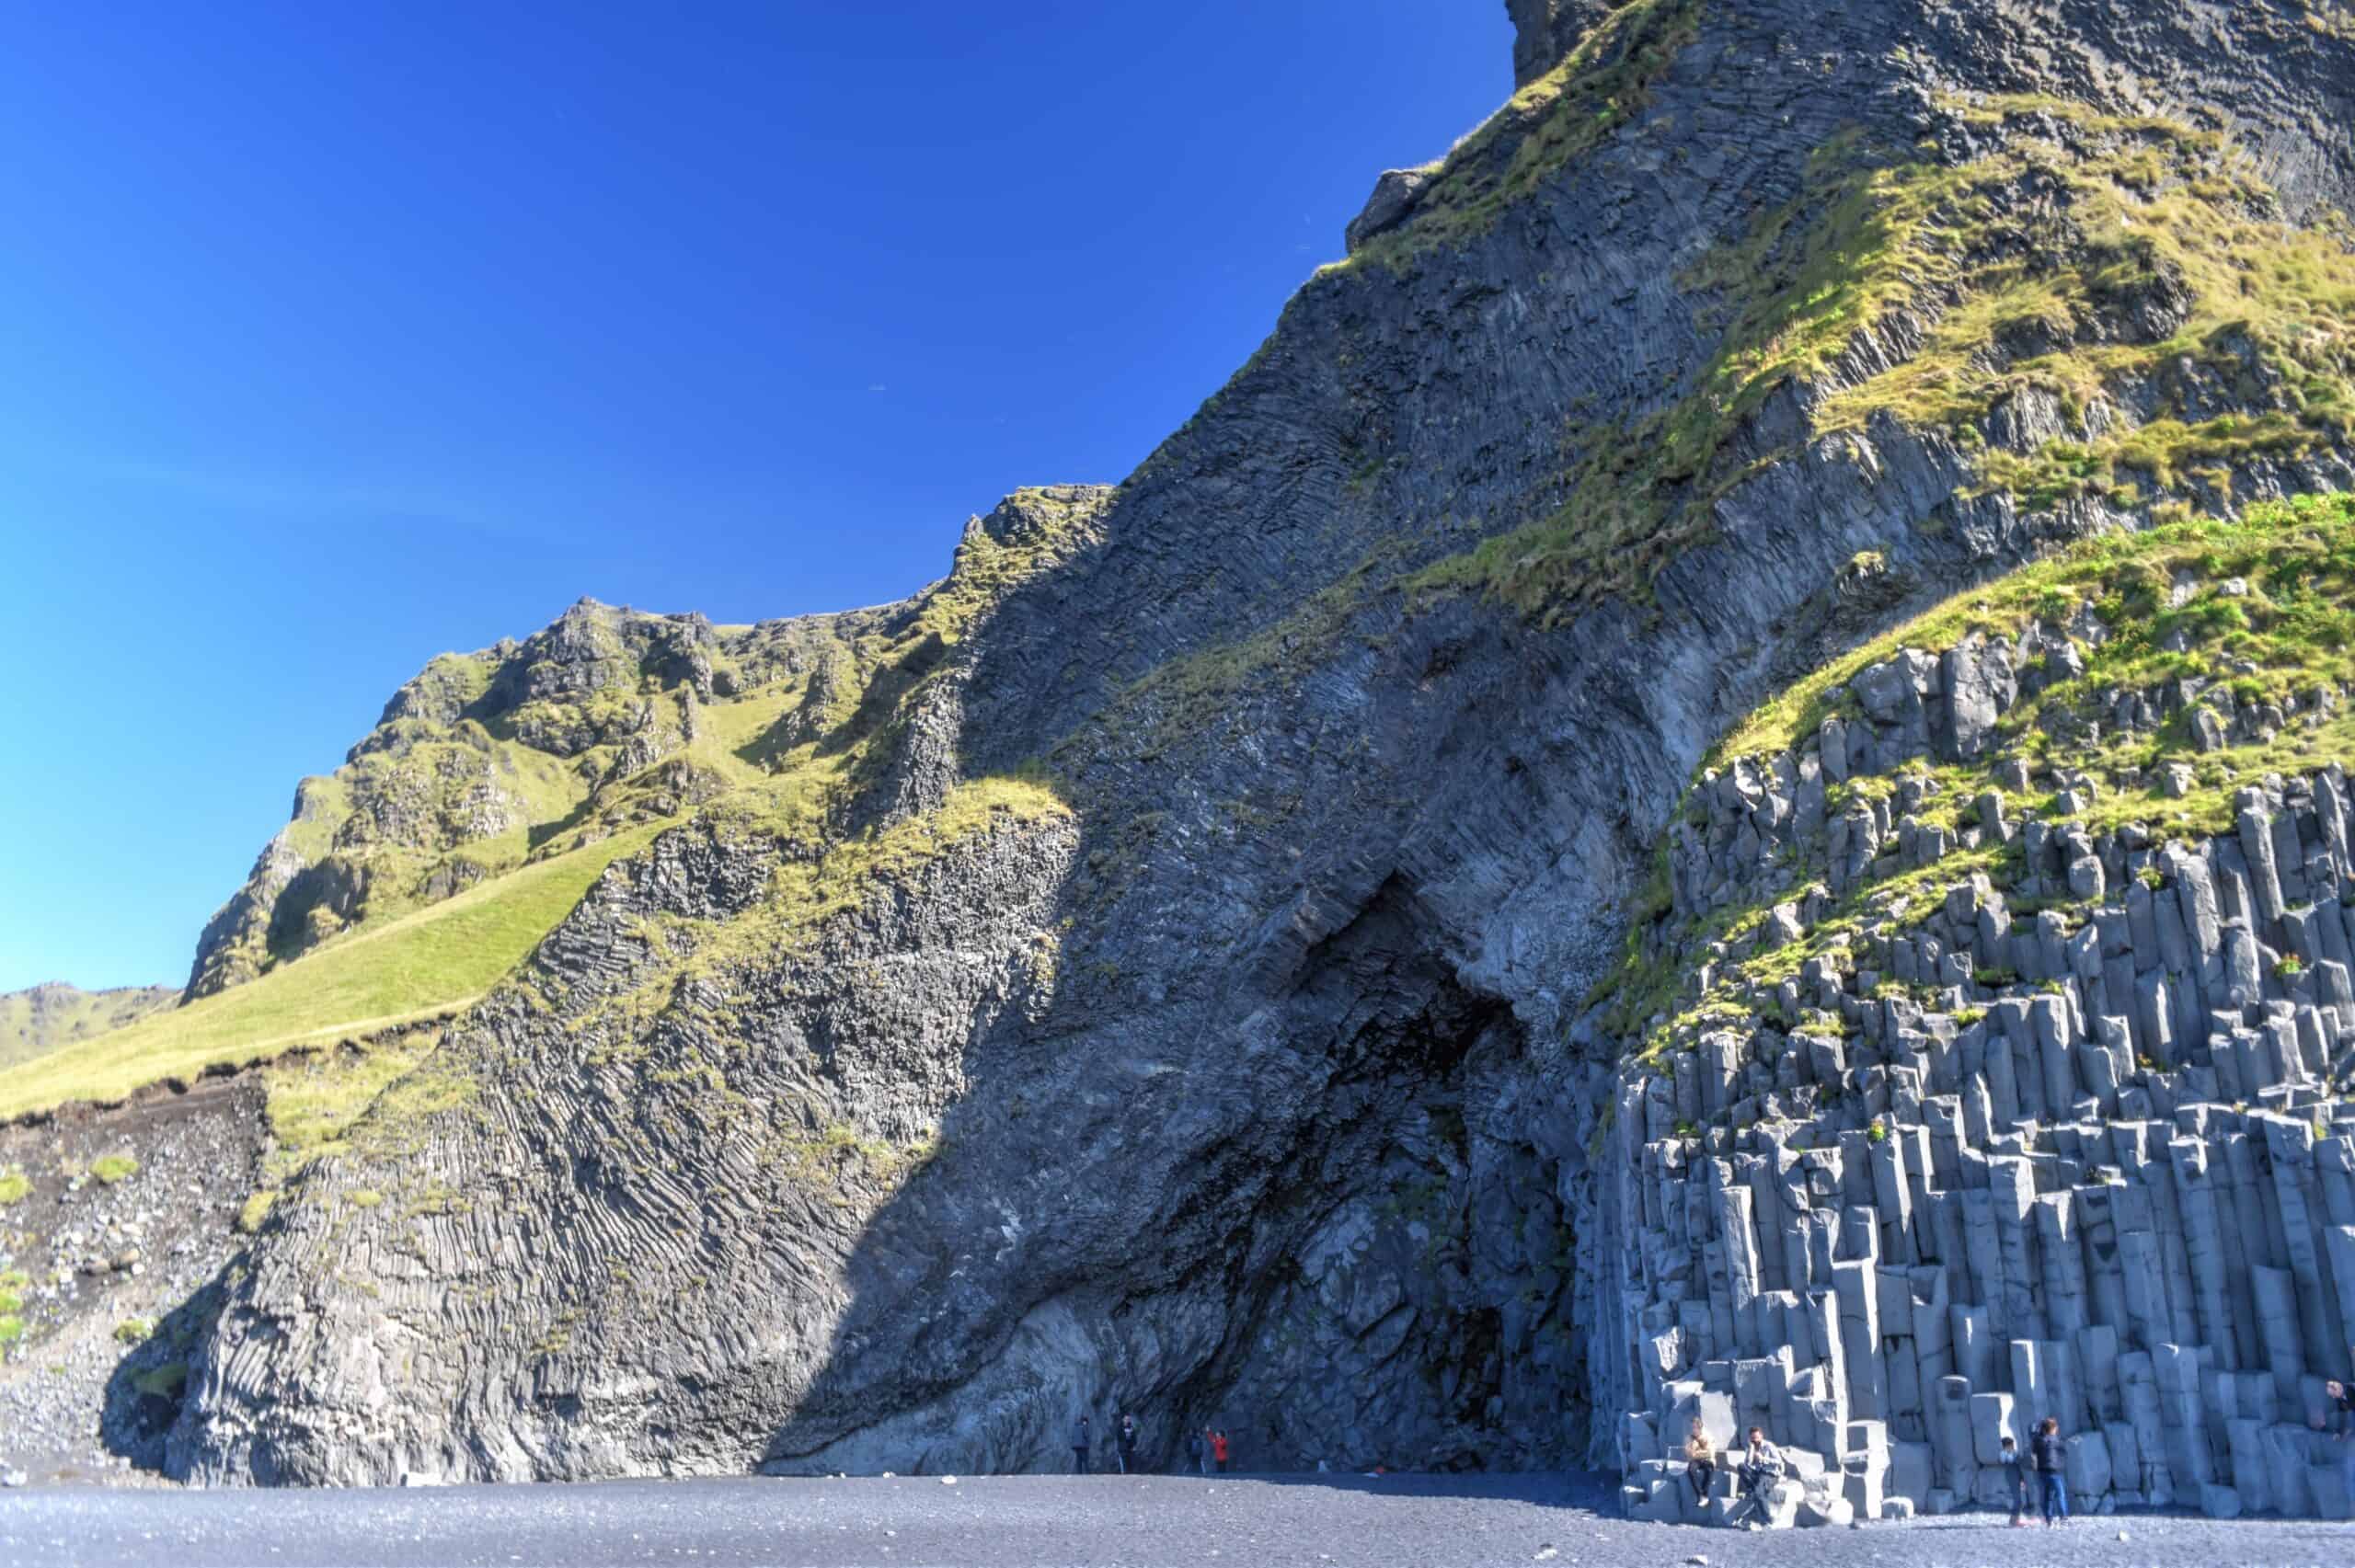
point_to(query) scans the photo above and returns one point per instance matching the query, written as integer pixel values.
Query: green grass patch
(2296, 624)
(2154, 211)
(14, 1185)
(132, 1331)
(114, 1169)
(436, 961)
(257, 1210)
(804, 893)
(2268, 608)
(313, 1099)
(165, 1381)
(1553, 120)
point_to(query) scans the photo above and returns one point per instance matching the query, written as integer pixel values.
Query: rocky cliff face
(2008, 1066)
(1151, 977)
(1546, 31)
(476, 765)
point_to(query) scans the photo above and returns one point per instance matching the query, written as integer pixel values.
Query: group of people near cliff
(1762, 1464)
(1206, 1449)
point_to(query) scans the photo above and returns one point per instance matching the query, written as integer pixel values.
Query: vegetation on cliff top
(40, 1019)
(1567, 111)
(783, 759)
(2260, 612)
(2119, 266)
(435, 961)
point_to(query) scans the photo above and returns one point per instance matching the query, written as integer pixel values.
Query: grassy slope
(1877, 233)
(437, 960)
(431, 962)
(66, 1015)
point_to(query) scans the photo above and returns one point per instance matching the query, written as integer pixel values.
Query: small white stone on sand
(947, 1481)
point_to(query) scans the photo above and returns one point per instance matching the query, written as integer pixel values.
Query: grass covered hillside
(579, 746)
(43, 1017)
(432, 962)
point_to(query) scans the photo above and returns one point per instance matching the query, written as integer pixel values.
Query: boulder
(2087, 1467)
(1394, 191)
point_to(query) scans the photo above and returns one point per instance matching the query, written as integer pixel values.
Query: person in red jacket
(1218, 1451)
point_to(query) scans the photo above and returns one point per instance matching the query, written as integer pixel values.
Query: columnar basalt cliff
(1156, 968)
(2007, 1073)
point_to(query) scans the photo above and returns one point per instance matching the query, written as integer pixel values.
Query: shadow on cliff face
(1287, 1230)
(145, 1391)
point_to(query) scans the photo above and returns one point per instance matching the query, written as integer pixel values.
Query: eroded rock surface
(1972, 1170)
(1237, 1082)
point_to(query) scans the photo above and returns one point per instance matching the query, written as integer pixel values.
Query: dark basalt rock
(1243, 1094)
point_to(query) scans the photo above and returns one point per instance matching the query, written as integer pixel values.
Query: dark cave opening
(1402, 1296)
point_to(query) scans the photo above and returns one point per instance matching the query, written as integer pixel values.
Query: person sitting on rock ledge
(1701, 1462)
(1762, 1466)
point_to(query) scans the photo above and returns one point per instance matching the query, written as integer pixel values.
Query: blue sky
(341, 335)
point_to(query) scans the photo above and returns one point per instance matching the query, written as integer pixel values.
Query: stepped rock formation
(2027, 1106)
(1151, 968)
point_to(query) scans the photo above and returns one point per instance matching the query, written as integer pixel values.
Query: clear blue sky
(339, 334)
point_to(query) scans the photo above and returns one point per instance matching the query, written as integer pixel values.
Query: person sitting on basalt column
(1701, 1462)
(1762, 1466)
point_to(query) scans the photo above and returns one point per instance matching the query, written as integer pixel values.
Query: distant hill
(51, 1014)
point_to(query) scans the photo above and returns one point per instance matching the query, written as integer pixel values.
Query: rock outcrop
(1152, 973)
(1546, 31)
(477, 764)
(2001, 1089)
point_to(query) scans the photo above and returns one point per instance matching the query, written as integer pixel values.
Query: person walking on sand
(1700, 1460)
(1124, 1444)
(1197, 1453)
(2051, 1461)
(2016, 1476)
(1218, 1451)
(1081, 1440)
